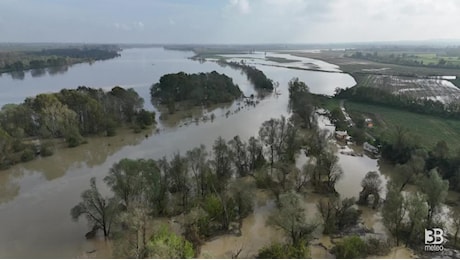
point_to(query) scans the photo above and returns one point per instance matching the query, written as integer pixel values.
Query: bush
(137, 129)
(18, 145)
(280, 251)
(145, 118)
(377, 247)
(110, 127)
(350, 247)
(47, 149)
(27, 155)
(74, 140)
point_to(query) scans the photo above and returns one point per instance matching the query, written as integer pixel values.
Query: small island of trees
(29, 128)
(196, 89)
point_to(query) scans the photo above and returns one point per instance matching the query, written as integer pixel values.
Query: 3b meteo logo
(434, 238)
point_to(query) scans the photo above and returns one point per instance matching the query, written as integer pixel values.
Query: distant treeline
(257, 77)
(19, 61)
(69, 114)
(199, 89)
(84, 53)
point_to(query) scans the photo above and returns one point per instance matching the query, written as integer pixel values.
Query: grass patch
(428, 129)
(327, 102)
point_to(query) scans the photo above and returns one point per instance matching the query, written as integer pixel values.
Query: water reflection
(58, 70)
(18, 75)
(9, 189)
(95, 152)
(37, 72)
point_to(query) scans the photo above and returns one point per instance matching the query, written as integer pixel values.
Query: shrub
(377, 246)
(350, 247)
(283, 251)
(137, 129)
(27, 155)
(110, 127)
(145, 118)
(46, 149)
(73, 140)
(18, 145)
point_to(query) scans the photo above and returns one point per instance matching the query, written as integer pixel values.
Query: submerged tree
(371, 186)
(100, 212)
(290, 217)
(337, 214)
(435, 189)
(327, 172)
(393, 211)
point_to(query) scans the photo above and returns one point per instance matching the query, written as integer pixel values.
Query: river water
(36, 197)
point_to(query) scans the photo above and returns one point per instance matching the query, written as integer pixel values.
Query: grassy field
(428, 129)
(433, 58)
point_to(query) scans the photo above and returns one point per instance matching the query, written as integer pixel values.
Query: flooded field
(436, 89)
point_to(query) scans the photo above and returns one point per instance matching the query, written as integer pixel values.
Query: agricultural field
(435, 89)
(427, 129)
(353, 65)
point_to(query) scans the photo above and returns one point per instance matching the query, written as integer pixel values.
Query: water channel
(36, 197)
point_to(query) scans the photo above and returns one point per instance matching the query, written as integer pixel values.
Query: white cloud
(241, 5)
(139, 26)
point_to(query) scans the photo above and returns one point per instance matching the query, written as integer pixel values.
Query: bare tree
(100, 212)
(290, 217)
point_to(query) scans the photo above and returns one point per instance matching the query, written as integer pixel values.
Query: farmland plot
(424, 88)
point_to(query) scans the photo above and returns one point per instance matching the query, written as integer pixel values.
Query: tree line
(70, 114)
(200, 89)
(257, 77)
(20, 61)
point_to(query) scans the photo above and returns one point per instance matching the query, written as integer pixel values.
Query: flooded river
(36, 197)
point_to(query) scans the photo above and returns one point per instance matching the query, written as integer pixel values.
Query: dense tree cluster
(199, 89)
(69, 114)
(257, 77)
(407, 215)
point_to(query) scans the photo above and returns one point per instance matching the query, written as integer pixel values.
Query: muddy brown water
(36, 197)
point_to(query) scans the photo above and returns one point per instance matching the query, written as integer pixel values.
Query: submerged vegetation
(257, 77)
(69, 114)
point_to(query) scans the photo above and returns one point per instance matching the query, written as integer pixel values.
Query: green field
(433, 58)
(427, 129)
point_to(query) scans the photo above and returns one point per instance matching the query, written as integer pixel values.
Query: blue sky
(227, 21)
